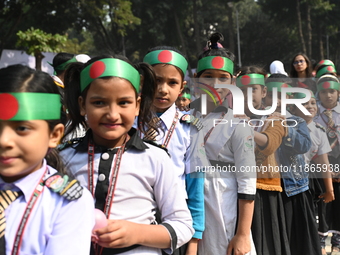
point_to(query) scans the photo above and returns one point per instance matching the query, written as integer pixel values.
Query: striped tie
(151, 133)
(6, 198)
(331, 132)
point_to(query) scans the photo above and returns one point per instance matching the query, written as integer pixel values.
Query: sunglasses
(299, 61)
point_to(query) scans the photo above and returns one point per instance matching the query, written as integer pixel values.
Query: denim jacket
(290, 152)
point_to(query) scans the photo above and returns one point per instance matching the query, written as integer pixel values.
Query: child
(329, 116)
(184, 99)
(270, 236)
(128, 178)
(297, 200)
(49, 203)
(229, 194)
(170, 67)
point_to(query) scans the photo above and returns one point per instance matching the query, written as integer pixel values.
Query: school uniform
(179, 150)
(225, 146)
(328, 219)
(144, 183)
(55, 225)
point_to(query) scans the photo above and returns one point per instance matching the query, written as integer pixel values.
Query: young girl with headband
(329, 117)
(270, 236)
(170, 67)
(128, 178)
(229, 192)
(40, 206)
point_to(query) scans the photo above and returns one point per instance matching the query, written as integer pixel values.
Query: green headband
(215, 62)
(278, 85)
(24, 106)
(250, 79)
(325, 62)
(185, 95)
(328, 85)
(64, 65)
(167, 57)
(325, 70)
(303, 95)
(109, 67)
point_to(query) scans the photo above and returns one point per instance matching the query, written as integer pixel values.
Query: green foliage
(35, 41)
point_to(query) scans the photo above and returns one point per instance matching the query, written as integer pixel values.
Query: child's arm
(240, 244)
(122, 233)
(328, 196)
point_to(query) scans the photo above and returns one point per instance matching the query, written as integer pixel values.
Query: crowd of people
(113, 157)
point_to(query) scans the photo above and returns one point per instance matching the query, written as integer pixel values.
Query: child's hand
(328, 196)
(276, 115)
(239, 245)
(118, 234)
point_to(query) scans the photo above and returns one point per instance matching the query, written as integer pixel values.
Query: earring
(85, 117)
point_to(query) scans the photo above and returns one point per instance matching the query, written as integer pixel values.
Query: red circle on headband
(326, 85)
(321, 62)
(9, 106)
(217, 62)
(165, 56)
(284, 85)
(97, 69)
(245, 80)
(330, 68)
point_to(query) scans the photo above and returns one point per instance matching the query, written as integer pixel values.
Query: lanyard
(113, 179)
(31, 203)
(171, 131)
(211, 129)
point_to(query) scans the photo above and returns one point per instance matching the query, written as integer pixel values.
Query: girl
(329, 117)
(301, 71)
(170, 67)
(49, 203)
(128, 178)
(270, 236)
(184, 99)
(297, 199)
(228, 192)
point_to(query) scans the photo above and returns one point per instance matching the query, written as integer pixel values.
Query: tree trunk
(180, 35)
(320, 43)
(196, 28)
(309, 32)
(231, 30)
(302, 40)
(38, 59)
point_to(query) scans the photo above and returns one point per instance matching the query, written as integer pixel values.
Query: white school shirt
(56, 225)
(222, 189)
(320, 144)
(323, 119)
(146, 181)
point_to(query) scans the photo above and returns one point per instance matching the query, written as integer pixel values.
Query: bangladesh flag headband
(303, 95)
(325, 62)
(185, 95)
(325, 70)
(23, 106)
(109, 67)
(167, 57)
(278, 85)
(215, 62)
(328, 85)
(250, 79)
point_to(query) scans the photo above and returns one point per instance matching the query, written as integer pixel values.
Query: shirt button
(288, 139)
(105, 156)
(101, 177)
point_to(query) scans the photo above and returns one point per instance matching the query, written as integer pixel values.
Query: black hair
(73, 92)
(215, 50)
(309, 69)
(164, 47)
(278, 77)
(60, 59)
(20, 78)
(251, 69)
(186, 90)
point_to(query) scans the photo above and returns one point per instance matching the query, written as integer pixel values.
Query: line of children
(128, 178)
(45, 218)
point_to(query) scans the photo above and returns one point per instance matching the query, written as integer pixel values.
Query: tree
(36, 41)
